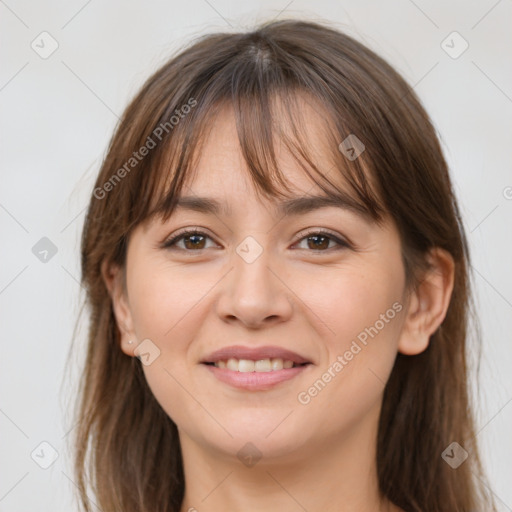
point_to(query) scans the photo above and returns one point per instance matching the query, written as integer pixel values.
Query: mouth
(255, 369)
(260, 365)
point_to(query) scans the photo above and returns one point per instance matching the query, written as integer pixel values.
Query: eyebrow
(294, 206)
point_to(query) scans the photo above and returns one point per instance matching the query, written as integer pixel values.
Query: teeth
(247, 365)
(263, 365)
(232, 364)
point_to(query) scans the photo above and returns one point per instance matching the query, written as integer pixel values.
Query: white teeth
(247, 365)
(232, 364)
(277, 364)
(263, 365)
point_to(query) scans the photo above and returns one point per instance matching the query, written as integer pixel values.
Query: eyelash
(170, 244)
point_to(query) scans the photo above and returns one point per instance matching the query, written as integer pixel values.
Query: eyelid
(323, 231)
(189, 231)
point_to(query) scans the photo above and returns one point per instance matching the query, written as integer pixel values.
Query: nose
(255, 292)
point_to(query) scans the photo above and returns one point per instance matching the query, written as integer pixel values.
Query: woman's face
(256, 278)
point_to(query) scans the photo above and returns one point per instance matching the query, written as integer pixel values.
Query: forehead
(221, 168)
(221, 178)
(251, 152)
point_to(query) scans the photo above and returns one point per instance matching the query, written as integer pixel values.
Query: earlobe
(428, 303)
(113, 278)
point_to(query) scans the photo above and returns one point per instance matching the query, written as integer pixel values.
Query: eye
(193, 240)
(319, 241)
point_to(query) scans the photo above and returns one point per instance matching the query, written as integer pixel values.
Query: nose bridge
(252, 279)
(252, 261)
(253, 293)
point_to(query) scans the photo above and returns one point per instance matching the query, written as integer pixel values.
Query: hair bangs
(268, 112)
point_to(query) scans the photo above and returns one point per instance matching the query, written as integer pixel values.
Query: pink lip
(255, 381)
(254, 353)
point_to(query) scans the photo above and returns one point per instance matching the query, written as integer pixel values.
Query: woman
(277, 278)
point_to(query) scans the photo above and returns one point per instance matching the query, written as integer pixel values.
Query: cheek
(162, 297)
(350, 302)
(168, 306)
(364, 316)
(166, 303)
(360, 359)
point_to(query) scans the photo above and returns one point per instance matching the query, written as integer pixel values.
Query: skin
(319, 456)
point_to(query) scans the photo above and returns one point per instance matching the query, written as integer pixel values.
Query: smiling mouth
(255, 375)
(260, 365)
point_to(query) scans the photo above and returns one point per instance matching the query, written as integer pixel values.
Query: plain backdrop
(58, 112)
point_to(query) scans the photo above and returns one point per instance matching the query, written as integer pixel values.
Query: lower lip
(255, 381)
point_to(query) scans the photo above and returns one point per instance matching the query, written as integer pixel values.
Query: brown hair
(124, 439)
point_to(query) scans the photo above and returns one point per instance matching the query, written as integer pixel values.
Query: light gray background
(59, 113)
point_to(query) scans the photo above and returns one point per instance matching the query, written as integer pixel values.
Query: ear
(114, 281)
(428, 303)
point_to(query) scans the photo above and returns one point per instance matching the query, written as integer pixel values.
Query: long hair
(127, 448)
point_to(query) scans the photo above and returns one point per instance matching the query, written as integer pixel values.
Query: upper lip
(254, 353)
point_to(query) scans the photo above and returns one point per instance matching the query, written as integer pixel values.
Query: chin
(271, 438)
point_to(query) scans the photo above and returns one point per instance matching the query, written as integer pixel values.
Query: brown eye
(316, 241)
(192, 241)
(319, 241)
